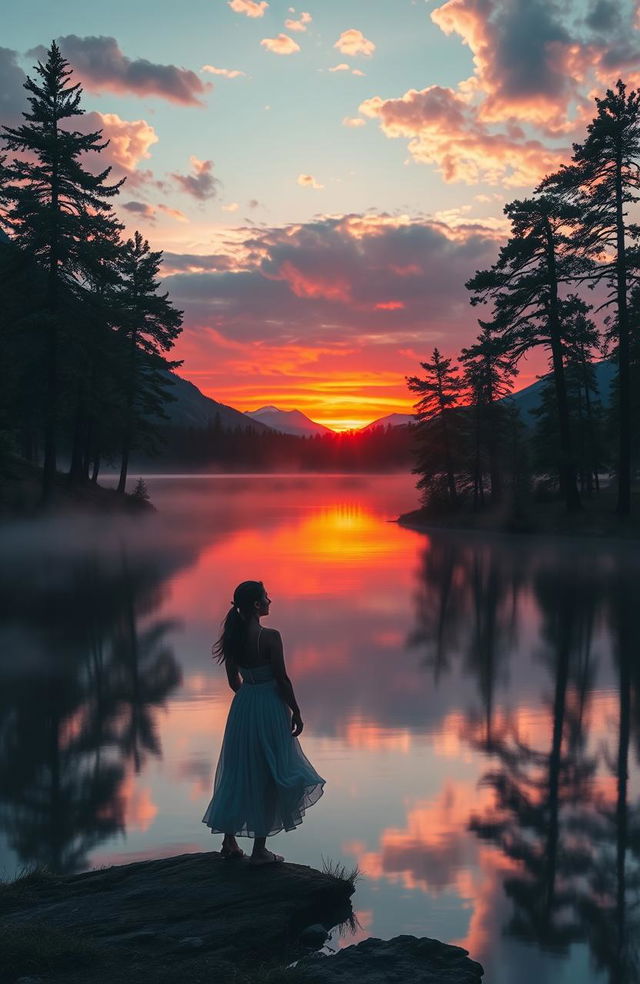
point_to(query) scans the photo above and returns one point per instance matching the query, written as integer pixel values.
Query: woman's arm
(276, 655)
(232, 675)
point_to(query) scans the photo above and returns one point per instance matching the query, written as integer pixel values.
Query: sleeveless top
(263, 673)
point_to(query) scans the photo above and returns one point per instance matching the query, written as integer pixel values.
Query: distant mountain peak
(288, 421)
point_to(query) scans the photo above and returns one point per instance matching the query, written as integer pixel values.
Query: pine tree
(438, 433)
(524, 285)
(603, 181)
(94, 380)
(54, 204)
(580, 341)
(150, 327)
(488, 376)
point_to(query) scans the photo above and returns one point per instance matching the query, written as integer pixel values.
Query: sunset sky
(323, 179)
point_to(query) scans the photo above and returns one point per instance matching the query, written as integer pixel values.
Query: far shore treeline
(86, 333)
(567, 279)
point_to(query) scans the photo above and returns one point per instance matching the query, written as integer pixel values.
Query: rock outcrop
(404, 959)
(199, 919)
(196, 910)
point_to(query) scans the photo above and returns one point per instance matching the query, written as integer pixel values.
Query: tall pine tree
(150, 326)
(438, 432)
(488, 376)
(54, 203)
(524, 285)
(603, 183)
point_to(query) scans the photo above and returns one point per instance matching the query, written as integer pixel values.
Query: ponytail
(234, 627)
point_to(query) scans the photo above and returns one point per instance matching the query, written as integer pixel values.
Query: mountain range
(191, 408)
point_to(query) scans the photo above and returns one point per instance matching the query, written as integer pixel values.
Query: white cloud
(228, 73)
(281, 45)
(308, 181)
(353, 42)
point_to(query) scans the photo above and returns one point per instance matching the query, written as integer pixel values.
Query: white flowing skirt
(263, 782)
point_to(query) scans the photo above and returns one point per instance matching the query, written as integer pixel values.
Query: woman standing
(264, 782)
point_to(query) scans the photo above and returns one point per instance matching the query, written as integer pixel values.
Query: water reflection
(570, 837)
(73, 727)
(473, 702)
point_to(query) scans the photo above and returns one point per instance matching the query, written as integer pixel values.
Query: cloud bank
(99, 64)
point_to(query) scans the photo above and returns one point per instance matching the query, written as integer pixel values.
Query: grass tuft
(336, 869)
(15, 894)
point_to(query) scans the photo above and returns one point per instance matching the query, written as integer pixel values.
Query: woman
(264, 782)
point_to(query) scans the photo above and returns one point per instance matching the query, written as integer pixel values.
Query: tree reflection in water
(572, 838)
(84, 713)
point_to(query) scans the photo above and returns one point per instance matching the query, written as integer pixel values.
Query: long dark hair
(234, 627)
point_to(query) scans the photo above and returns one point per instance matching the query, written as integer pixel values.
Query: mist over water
(473, 703)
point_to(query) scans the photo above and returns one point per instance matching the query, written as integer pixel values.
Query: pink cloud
(300, 24)
(356, 279)
(353, 42)
(99, 64)
(280, 45)
(250, 8)
(521, 55)
(129, 140)
(445, 129)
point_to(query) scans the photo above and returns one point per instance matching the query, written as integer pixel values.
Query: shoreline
(542, 521)
(21, 495)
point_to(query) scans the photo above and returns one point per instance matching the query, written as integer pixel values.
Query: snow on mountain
(287, 421)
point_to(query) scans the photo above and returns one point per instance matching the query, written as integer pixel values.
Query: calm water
(473, 703)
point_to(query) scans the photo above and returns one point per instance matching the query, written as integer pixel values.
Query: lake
(473, 703)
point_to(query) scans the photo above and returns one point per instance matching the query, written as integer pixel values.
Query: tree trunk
(128, 424)
(591, 436)
(76, 473)
(623, 507)
(567, 463)
(124, 466)
(51, 411)
(451, 478)
(49, 466)
(495, 476)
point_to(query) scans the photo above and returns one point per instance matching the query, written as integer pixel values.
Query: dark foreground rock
(176, 919)
(404, 959)
(197, 919)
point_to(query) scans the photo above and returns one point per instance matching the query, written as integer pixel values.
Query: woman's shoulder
(271, 635)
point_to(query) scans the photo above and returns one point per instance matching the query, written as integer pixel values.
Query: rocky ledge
(404, 959)
(176, 919)
(199, 918)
